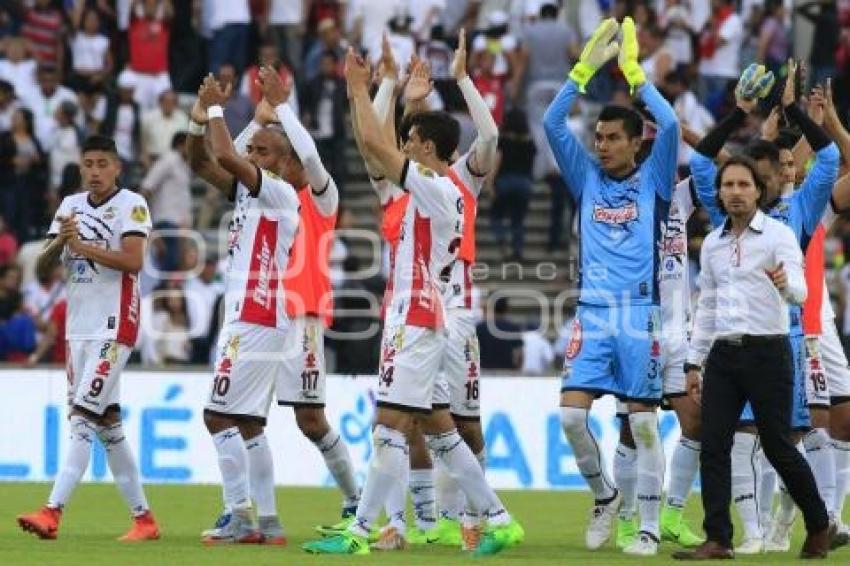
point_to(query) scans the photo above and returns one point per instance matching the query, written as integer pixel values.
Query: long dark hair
(748, 163)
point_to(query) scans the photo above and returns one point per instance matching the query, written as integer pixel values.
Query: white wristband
(215, 111)
(196, 129)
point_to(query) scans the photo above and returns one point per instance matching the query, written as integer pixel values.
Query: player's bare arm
(200, 159)
(482, 158)
(128, 259)
(49, 256)
(417, 87)
(212, 97)
(375, 145)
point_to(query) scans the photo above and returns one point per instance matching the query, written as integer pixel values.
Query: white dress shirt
(737, 297)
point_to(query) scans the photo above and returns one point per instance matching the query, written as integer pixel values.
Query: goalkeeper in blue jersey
(615, 346)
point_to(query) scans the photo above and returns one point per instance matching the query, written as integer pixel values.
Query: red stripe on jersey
(424, 310)
(814, 270)
(128, 317)
(470, 211)
(261, 292)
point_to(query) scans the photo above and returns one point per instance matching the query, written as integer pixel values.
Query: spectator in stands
(677, 21)
(489, 84)
(123, 121)
(159, 127)
(513, 182)
(42, 294)
(50, 345)
(774, 37)
(239, 110)
(72, 181)
(17, 330)
(230, 24)
(166, 186)
(499, 338)
(550, 45)
(330, 39)
(8, 105)
(402, 42)
(269, 56)
(537, 352)
(148, 37)
(202, 291)
(43, 28)
(285, 21)
(688, 109)
(824, 15)
(439, 56)
(24, 183)
(19, 68)
(369, 21)
(656, 58)
(65, 144)
(720, 46)
(8, 244)
(90, 53)
(92, 99)
(355, 335)
(504, 47)
(425, 14)
(44, 100)
(324, 115)
(169, 327)
(11, 277)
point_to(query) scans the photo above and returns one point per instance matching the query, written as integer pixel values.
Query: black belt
(745, 340)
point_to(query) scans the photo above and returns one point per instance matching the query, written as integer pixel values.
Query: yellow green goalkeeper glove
(755, 82)
(598, 51)
(629, 52)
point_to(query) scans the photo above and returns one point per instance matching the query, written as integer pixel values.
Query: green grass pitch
(554, 523)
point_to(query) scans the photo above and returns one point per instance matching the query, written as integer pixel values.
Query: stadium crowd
(129, 69)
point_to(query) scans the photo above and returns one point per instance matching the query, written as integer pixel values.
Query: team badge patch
(424, 171)
(574, 346)
(139, 213)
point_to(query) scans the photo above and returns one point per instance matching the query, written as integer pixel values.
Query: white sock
(421, 485)
(75, 464)
(123, 467)
(841, 449)
(261, 474)
(449, 496)
(650, 469)
(233, 463)
(822, 461)
(766, 490)
(471, 516)
(390, 460)
(466, 471)
(625, 476)
(395, 505)
(338, 461)
(683, 470)
(744, 478)
(586, 451)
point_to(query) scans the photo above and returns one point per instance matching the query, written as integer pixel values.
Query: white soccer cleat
(750, 546)
(601, 520)
(644, 545)
(779, 537)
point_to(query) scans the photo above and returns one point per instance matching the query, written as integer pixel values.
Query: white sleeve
(63, 210)
(472, 180)
(685, 196)
(324, 191)
(136, 219)
(829, 216)
(788, 253)
(485, 145)
(428, 191)
(240, 142)
(275, 193)
(383, 188)
(706, 310)
(383, 98)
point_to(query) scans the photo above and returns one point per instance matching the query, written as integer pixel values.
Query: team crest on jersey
(424, 171)
(574, 346)
(615, 215)
(109, 213)
(271, 174)
(139, 214)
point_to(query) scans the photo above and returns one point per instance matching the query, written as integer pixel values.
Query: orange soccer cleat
(144, 528)
(471, 536)
(44, 523)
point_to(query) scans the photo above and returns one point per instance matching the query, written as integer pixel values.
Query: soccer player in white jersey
(676, 314)
(255, 327)
(414, 331)
(99, 235)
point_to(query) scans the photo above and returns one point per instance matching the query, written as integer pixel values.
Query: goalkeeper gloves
(755, 82)
(628, 59)
(598, 51)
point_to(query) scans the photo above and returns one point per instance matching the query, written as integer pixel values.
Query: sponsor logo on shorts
(574, 346)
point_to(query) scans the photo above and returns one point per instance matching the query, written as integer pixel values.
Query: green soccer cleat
(343, 543)
(675, 529)
(627, 530)
(447, 532)
(497, 538)
(418, 536)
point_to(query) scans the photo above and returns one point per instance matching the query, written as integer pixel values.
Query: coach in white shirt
(752, 267)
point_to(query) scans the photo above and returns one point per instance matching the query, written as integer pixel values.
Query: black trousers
(759, 371)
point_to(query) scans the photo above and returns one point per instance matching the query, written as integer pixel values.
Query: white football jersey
(430, 239)
(103, 303)
(459, 289)
(675, 289)
(261, 234)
